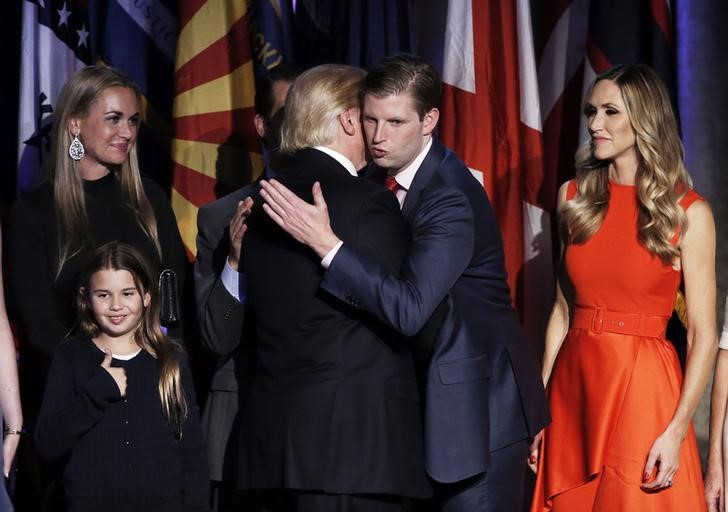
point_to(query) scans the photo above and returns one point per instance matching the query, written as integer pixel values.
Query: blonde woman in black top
(94, 194)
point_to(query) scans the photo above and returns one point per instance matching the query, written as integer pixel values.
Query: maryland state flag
(215, 148)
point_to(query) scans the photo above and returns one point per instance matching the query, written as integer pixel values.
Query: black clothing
(121, 450)
(334, 407)
(46, 304)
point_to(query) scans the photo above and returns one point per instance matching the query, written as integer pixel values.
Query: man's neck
(339, 157)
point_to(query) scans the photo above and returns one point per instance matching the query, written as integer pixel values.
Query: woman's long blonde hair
(661, 180)
(148, 334)
(74, 101)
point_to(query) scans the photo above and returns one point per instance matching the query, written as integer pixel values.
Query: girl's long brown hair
(148, 334)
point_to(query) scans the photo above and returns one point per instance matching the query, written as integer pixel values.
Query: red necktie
(391, 184)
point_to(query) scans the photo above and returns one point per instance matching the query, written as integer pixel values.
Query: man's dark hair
(402, 73)
(264, 87)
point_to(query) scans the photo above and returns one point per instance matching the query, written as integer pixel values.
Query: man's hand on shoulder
(307, 223)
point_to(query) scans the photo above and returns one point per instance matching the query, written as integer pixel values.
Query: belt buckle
(598, 320)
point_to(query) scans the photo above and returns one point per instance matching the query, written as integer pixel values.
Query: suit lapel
(424, 174)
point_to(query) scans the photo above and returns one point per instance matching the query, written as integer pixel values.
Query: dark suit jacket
(483, 377)
(220, 316)
(223, 332)
(334, 406)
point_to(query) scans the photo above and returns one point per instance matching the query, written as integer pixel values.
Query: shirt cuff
(326, 262)
(234, 282)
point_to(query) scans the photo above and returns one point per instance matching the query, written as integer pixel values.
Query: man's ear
(429, 122)
(347, 120)
(259, 123)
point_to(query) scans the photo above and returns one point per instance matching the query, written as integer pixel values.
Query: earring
(76, 150)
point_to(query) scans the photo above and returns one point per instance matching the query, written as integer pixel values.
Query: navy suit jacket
(483, 385)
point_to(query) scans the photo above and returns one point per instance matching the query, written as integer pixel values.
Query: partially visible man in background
(220, 293)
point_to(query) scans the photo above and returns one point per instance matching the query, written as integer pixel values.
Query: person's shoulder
(451, 169)
(152, 189)
(36, 203)
(73, 347)
(39, 196)
(691, 197)
(567, 190)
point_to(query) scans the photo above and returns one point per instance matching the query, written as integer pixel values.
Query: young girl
(119, 399)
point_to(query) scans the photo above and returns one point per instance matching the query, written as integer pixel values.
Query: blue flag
(61, 36)
(358, 32)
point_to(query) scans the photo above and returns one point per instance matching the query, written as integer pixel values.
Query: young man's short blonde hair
(314, 102)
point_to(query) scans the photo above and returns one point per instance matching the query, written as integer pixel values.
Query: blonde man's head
(314, 103)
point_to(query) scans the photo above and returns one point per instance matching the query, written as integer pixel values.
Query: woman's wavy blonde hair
(661, 180)
(148, 334)
(74, 101)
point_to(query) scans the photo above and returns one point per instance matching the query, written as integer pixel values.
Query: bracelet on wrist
(7, 431)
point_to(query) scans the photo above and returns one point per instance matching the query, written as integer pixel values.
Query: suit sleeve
(220, 316)
(441, 248)
(30, 258)
(71, 408)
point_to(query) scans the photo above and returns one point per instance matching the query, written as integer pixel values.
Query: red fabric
(612, 394)
(486, 131)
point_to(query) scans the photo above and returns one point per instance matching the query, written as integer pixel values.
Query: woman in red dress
(621, 437)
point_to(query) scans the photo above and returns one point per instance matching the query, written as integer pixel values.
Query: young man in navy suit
(484, 395)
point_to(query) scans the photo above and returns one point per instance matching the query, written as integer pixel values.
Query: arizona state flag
(215, 148)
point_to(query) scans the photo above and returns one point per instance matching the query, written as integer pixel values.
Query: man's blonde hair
(314, 102)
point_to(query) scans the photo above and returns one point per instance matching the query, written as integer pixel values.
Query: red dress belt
(604, 320)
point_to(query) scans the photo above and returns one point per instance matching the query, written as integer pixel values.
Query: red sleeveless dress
(616, 380)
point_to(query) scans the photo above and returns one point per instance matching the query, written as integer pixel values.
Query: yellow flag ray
(232, 91)
(209, 24)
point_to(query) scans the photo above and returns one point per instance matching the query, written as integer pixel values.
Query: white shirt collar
(405, 176)
(339, 158)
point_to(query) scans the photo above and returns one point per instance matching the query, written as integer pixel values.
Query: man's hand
(236, 231)
(307, 223)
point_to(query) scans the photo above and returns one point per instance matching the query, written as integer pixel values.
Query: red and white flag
(491, 119)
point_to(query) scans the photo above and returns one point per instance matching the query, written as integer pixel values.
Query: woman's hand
(714, 492)
(664, 456)
(534, 452)
(10, 446)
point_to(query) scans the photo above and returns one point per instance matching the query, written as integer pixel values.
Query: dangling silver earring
(76, 150)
